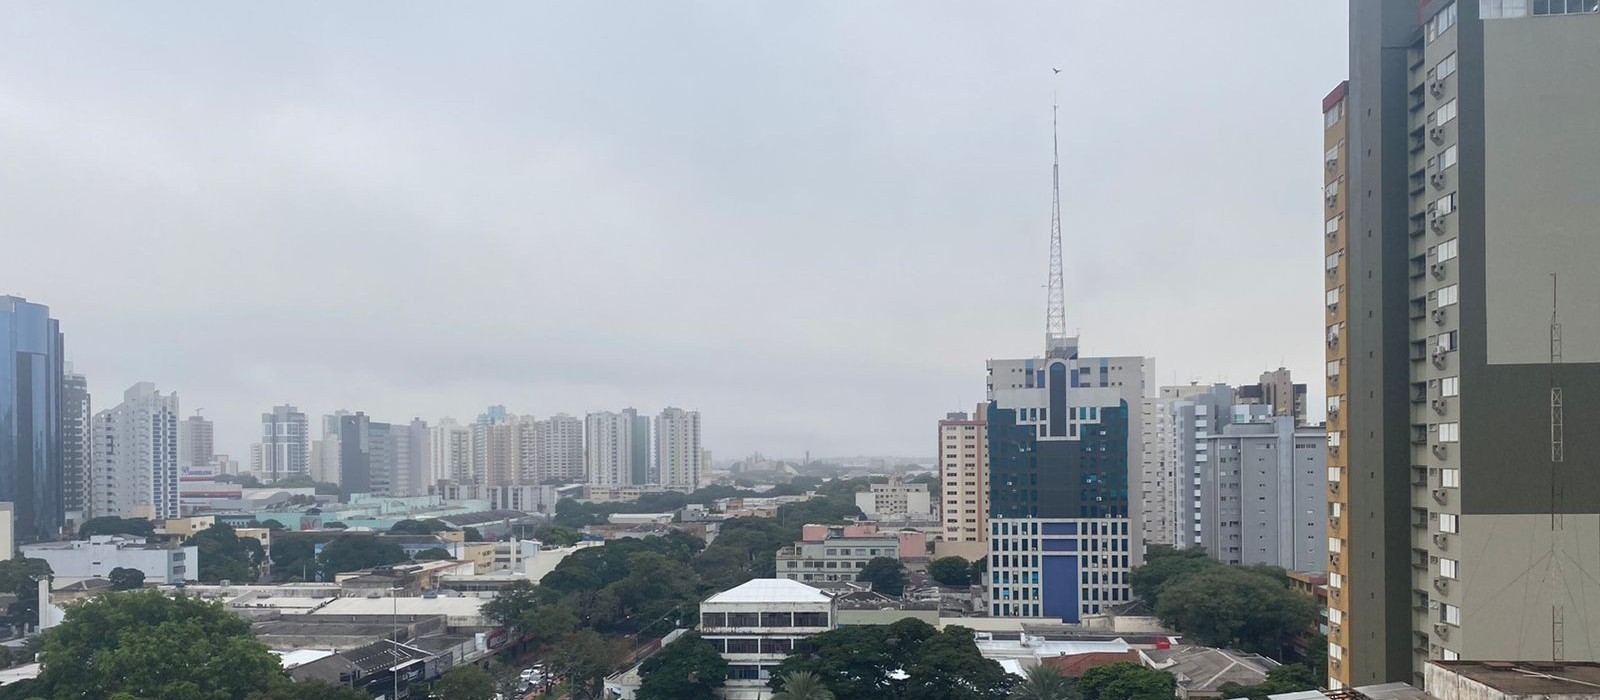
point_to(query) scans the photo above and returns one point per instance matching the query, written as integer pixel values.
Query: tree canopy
(124, 579)
(433, 554)
(687, 669)
(803, 685)
(128, 644)
(466, 683)
(418, 527)
(1235, 607)
(356, 552)
(113, 525)
(886, 575)
(1126, 681)
(226, 556)
(1288, 678)
(585, 658)
(950, 571)
(1163, 564)
(907, 660)
(1045, 682)
(17, 577)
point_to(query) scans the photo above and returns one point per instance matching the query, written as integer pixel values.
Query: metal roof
(770, 590)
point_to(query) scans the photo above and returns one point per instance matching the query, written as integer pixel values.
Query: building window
(1335, 580)
(1450, 386)
(1445, 68)
(743, 619)
(1332, 261)
(1447, 296)
(1443, 206)
(811, 619)
(713, 619)
(1449, 568)
(1450, 614)
(1447, 654)
(1335, 652)
(744, 646)
(777, 619)
(1446, 251)
(1442, 22)
(1450, 478)
(1449, 432)
(1444, 161)
(777, 646)
(1335, 545)
(1449, 523)
(1501, 9)
(1542, 8)
(1332, 116)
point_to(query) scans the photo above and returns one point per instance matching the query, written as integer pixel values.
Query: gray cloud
(812, 222)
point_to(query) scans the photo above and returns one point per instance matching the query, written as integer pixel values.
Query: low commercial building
(1513, 680)
(834, 559)
(97, 556)
(755, 626)
(1202, 671)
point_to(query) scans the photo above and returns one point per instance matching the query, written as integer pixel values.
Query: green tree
(1126, 681)
(226, 556)
(886, 575)
(532, 612)
(1235, 607)
(949, 667)
(802, 685)
(294, 557)
(313, 690)
(687, 669)
(471, 534)
(274, 525)
(112, 525)
(19, 577)
(745, 548)
(555, 536)
(861, 662)
(433, 554)
(1163, 564)
(585, 658)
(124, 644)
(356, 552)
(950, 571)
(1044, 682)
(335, 525)
(466, 683)
(123, 579)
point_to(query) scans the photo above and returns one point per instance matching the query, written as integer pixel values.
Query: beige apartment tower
(964, 474)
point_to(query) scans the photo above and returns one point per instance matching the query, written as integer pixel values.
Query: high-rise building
(964, 473)
(325, 452)
(31, 372)
(608, 448)
(1062, 535)
(1262, 491)
(77, 417)
(389, 459)
(451, 446)
(356, 451)
(285, 444)
(640, 467)
(135, 472)
(679, 456)
(1459, 203)
(196, 443)
(409, 472)
(1278, 390)
(561, 455)
(497, 450)
(1158, 474)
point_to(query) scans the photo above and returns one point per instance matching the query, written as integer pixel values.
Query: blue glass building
(1061, 431)
(31, 370)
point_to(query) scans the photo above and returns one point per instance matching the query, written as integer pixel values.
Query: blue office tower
(31, 370)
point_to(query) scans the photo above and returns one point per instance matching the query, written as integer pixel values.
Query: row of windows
(1565, 7)
(765, 619)
(1442, 22)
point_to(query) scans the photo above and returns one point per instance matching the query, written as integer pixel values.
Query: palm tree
(1044, 682)
(803, 685)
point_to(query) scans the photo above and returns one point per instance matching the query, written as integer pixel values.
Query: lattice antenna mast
(1558, 454)
(1055, 320)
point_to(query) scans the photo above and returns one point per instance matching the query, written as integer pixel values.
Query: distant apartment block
(679, 454)
(964, 474)
(134, 471)
(897, 501)
(285, 444)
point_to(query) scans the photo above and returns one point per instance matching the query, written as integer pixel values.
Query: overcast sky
(813, 222)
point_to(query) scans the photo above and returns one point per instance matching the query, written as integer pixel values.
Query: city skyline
(836, 169)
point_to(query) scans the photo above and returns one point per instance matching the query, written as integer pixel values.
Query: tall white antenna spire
(1055, 321)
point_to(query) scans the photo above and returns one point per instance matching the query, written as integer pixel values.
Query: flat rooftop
(1531, 677)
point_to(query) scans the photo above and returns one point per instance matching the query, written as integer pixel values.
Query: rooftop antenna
(1055, 321)
(1558, 455)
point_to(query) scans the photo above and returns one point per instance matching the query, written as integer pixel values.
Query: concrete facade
(1463, 494)
(680, 458)
(97, 556)
(77, 422)
(1262, 492)
(964, 473)
(897, 501)
(755, 626)
(285, 444)
(135, 456)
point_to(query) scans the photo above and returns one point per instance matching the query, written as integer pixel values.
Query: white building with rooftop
(755, 626)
